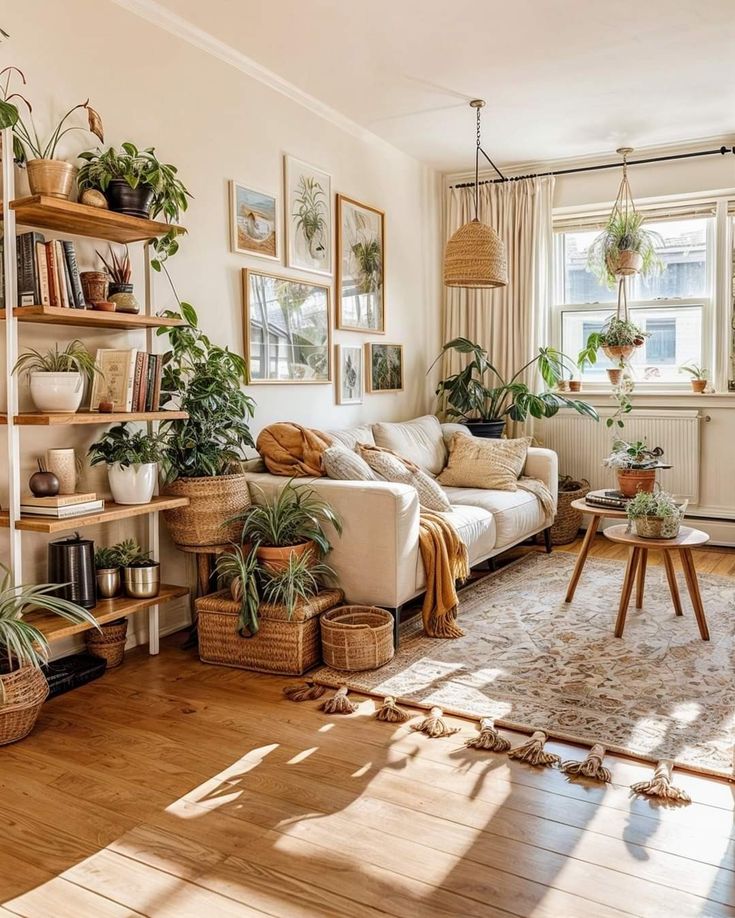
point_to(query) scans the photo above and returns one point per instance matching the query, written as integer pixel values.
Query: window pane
(580, 285)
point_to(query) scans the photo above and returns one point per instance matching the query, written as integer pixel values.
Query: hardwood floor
(171, 788)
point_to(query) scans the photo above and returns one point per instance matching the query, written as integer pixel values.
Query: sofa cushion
(344, 464)
(516, 513)
(419, 440)
(478, 463)
(351, 436)
(476, 528)
(391, 468)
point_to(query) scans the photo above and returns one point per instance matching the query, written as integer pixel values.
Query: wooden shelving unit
(89, 318)
(111, 513)
(87, 416)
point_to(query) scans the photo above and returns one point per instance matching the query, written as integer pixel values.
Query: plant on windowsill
(699, 377)
(635, 465)
(132, 463)
(469, 396)
(655, 514)
(57, 377)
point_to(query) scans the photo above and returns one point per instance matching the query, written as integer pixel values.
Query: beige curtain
(510, 322)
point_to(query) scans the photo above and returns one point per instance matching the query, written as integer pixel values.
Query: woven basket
(211, 502)
(282, 645)
(475, 257)
(109, 643)
(568, 520)
(26, 690)
(356, 638)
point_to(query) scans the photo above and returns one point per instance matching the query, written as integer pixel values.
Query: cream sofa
(377, 559)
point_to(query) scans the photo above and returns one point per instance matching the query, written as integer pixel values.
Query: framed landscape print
(350, 376)
(287, 329)
(360, 266)
(308, 197)
(254, 222)
(384, 367)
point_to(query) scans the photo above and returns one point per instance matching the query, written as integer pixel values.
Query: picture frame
(287, 329)
(383, 367)
(349, 374)
(308, 218)
(360, 266)
(254, 222)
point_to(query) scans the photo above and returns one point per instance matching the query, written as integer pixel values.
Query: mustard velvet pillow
(478, 463)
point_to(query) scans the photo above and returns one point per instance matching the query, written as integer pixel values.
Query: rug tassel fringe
(488, 738)
(304, 691)
(434, 726)
(532, 751)
(339, 703)
(589, 767)
(390, 713)
(660, 785)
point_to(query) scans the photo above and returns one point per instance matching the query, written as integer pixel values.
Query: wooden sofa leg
(547, 540)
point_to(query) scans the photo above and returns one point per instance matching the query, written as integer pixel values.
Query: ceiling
(562, 78)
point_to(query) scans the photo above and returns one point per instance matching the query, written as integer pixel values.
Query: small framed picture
(360, 266)
(254, 222)
(348, 359)
(384, 367)
(308, 214)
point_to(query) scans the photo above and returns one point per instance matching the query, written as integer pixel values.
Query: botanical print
(287, 329)
(360, 266)
(308, 217)
(349, 374)
(384, 367)
(254, 221)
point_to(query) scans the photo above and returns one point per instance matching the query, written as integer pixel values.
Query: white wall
(215, 123)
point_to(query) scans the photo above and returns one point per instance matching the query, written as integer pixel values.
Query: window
(673, 307)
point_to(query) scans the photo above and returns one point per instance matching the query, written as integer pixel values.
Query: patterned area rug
(533, 662)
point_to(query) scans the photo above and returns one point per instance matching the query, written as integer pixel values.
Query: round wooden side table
(596, 514)
(637, 560)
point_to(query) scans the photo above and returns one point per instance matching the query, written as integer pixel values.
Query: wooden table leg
(642, 563)
(204, 573)
(690, 574)
(673, 585)
(627, 590)
(582, 556)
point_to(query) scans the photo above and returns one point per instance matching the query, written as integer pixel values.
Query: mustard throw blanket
(445, 561)
(292, 450)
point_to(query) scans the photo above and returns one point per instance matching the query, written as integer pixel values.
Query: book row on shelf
(48, 273)
(128, 379)
(62, 506)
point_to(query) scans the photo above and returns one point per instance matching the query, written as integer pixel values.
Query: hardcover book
(114, 382)
(60, 500)
(29, 292)
(72, 268)
(62, 513)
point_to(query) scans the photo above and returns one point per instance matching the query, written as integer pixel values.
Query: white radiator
(582, 444)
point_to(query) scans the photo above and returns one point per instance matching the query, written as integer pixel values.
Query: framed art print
(308, 214)
(287, 327)
(348, 359)
(254, 222)
(384, 367)
(360, 266)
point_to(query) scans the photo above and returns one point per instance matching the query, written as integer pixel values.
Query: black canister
(71, 562)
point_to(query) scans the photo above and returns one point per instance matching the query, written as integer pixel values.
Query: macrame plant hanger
(624, 205)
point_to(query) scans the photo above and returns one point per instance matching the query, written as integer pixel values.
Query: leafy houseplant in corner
(132, 463)
(480, 397)
(23, 650)
(635, 466)
(698, 376)
(656, 515)
(57, 377)
(46, 174)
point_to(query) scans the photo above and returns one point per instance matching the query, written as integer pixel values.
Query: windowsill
(638, 393)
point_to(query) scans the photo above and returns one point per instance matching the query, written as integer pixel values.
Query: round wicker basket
(475, 257)
(356, 638)
(25, 690)
(211, 502)
(109, 643)
(568, 520)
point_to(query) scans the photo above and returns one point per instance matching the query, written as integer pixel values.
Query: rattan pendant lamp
(475, 255)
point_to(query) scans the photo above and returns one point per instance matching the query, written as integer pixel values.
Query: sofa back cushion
(353, 435)
(420, 441)
(343, 464)
(475, 462)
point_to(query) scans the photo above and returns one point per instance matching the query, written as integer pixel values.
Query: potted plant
(624, 247)
(618, 339)
(107, 569)
(57, 377)
(121, 290)
(24, 649)
(203, 454)
(132, 463)
(297, 581)
(290, 523)
(699, 376)
(46, 174)
(656, 515)
(485, 404)
(142, 577)
(635, 466)
(238, 571)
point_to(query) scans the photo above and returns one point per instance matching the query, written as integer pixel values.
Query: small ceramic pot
(575, 385)
(124, 299)
(631, 481)
(628, 262)
(614, 374)
(108, 582)
(142, 582)
(63, 463)
(619, 352)
(51, 177)
(104, 306)
(57, 393)
(133, 484)
(699, 385)
(135, 202)
(95, 285)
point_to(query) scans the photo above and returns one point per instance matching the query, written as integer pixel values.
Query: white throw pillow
(421, 441)
(343, 464)
(391, 468)
(353, 435)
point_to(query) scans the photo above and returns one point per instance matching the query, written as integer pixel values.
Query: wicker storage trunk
(280, 646)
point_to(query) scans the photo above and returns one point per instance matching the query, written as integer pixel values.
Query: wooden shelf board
(37, 419)
(111, 512)
(75, 219)
(89, 318)
(106, 610)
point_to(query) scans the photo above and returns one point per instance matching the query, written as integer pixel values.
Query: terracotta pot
(211, 502)
(699, 385)
(619, 352)
(614, 374)
(631, 481)
(95, 285)
(104, 306)
(51, 177)
(275, 557)
(575, 385)
(628, 263)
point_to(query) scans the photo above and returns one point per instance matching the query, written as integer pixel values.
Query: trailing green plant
(118, 445)
(26, 141)
(694, 371)
(622, 392)
(74, 358)
(21, 643)
(657, 503)
(294, 515)
(238, 570)
(480, 392)
(615, 332)
(633, 455)
(624, 232)
(311, 214)
(299, 580)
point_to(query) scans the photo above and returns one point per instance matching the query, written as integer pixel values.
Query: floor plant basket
(109, 642)
(25, 691)
(568, 521)
(356, 638)
(212, 500)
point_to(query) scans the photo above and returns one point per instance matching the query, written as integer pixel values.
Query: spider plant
(118, 267)
(694, 371)
(293, 516)
(238, 570)
(75, 358)
(624, 232)
(310, 214)
(301, 579)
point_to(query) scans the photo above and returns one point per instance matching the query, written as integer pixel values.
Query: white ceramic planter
(57, 393)
(133, 484)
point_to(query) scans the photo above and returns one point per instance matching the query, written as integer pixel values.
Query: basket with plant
(655, 514)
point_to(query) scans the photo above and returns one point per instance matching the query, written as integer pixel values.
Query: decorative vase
(57, 393)
(488, 430)
(63, 464)
(631, 481)
(142, 582)
(135, 202)
(95, 285)
(51, 177)
(276, 557)
(43, 484)
(614, 374)
(71, 563)
(108, 582)
(699, 385)
(132, 484)
(124, 299)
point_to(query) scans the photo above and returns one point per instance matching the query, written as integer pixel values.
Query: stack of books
(48, 273)
(128, 378)
(62, 506)
(613, 500)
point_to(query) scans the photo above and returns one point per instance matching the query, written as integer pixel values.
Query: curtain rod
(721, 151)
